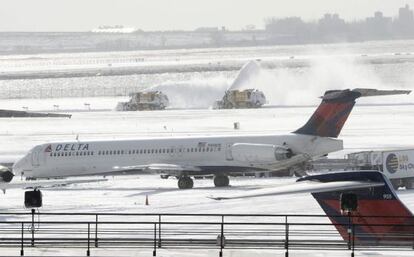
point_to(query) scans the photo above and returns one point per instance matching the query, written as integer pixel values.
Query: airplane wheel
(185, 183)
(221, 181)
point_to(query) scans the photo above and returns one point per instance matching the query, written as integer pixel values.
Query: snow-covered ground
(291, 90)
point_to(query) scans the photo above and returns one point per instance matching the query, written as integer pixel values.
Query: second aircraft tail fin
(380, 217)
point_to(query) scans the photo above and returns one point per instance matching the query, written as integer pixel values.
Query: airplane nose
(19, 166)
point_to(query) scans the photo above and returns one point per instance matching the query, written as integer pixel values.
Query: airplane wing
(157, 168)
(302, 187)
(45, 183)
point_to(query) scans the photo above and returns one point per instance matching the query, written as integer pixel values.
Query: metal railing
(191, 231)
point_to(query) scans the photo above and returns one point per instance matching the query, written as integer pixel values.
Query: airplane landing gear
(221, 181)
(185, 182)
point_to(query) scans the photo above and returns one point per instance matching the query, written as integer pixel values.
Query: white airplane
(184, 157)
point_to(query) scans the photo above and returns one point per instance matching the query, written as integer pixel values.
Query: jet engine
(260, 153)
(5, 174)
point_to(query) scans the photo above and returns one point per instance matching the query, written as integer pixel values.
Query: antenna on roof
(77, 137)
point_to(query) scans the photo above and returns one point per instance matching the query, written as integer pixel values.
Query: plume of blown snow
(303, 86)
(193, 94)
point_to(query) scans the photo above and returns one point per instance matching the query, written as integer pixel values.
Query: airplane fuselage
(209, 154)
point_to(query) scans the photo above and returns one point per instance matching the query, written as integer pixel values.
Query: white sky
(83, 15)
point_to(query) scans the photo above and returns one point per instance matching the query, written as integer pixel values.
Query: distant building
(405, 15)
(114, 29)
(378, 27)
(331, 27)
(207, 29)
(404, 24)
(288, 30)
(249, 27)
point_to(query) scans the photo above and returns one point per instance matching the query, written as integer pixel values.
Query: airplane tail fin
(336, 105)
(380, 216)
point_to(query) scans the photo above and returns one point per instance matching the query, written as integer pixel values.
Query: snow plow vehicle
(247, 98)
(140, 101)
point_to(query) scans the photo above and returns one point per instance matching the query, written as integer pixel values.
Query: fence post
(353, 240)
(159, 231)
(22, 243)
(222, 236)
(412, 227)
(349, 230)
(96, 230)
(33, 226)
(88, 252)
(154, 252)
(286, 237)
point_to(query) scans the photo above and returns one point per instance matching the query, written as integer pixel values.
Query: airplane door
(229, 156)
(35, 158)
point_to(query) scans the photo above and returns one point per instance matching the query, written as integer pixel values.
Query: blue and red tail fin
(336, 105)
(380, 218)
(330, 116)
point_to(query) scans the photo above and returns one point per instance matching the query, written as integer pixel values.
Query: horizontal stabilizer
(375, 92)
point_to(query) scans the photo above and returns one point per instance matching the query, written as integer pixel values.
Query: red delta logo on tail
(331, 115)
